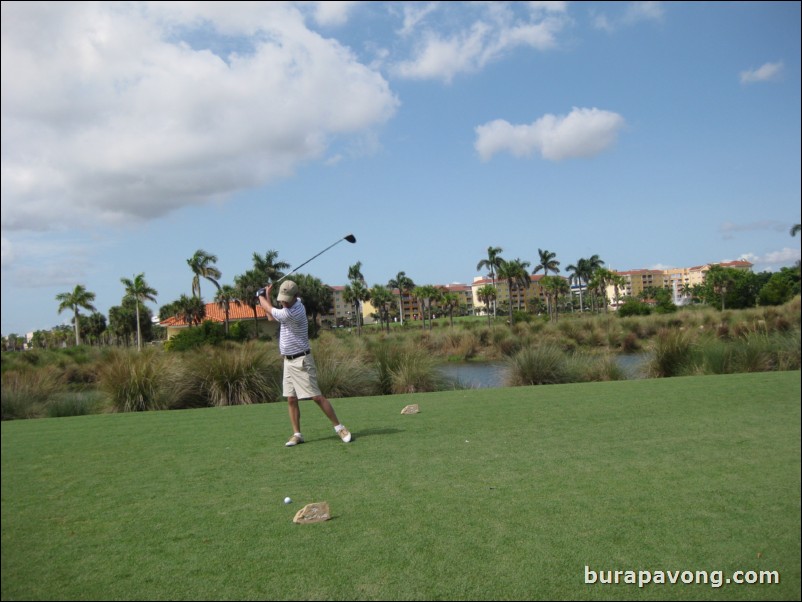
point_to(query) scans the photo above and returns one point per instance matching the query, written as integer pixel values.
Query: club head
(350, 238)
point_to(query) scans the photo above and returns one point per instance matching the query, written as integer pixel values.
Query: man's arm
(266, 302)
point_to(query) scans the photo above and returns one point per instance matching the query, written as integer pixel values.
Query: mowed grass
(486, 494)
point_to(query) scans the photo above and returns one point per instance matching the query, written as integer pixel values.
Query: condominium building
(678, 280)
(412, 307)
(635, 283)
(519, 297)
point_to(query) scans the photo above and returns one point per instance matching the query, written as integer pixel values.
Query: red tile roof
(740, 263)
(488, 280)
(639, 272)
(215, 313)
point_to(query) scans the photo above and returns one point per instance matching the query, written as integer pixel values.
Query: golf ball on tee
(287, 500)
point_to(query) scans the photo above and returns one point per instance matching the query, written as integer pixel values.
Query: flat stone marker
(312, 513)
(411, 409)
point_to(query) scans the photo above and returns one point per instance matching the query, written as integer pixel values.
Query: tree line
(131, 321)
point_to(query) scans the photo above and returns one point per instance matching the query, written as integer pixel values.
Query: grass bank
(486, 494)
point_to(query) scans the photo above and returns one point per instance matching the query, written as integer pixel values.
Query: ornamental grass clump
(343, 371)
(587, 367)
(672, 353)
(233, 374)
(74, 403)
(136, 381)
(415, 372)
(538, 365)
(26, 392)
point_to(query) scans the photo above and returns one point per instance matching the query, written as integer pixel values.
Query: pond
(481, 375)
(475, 375)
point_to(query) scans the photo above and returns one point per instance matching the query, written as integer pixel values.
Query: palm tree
(492, 262)
(318, 299)
(202, 266)
(355, 293)
(686, 290)
(601, 278)
(511, 272)
(269, 266)
(548, 263)
(562, 289)
(381, 297)
(487, 294)
(583, 273)
(246, 286)
(122, 320)
(720, 280)
(95, 325)
(522, 281)
(449, 302)
(226, 295)
(554, 287)
(138, 290)
(429, 295)
(580, 273)
(78, 298)
(796, 229)
(191, 309)
(355, 272)
(404, 284)
(617, 280)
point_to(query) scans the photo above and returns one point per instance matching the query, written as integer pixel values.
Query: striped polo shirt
(293, 336)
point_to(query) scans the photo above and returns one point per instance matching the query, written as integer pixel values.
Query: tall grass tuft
(415, 372)
(754, 353)
(342, 372)
(386, 356)
(539, 365)
(595, 368)
(233, 374)
(137, 381)
(74, 403)
(789, 351)
(672, 353)
(458, 344)
(715, 356)
(25, 392)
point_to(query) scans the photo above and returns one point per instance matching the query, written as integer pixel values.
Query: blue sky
(652, 134)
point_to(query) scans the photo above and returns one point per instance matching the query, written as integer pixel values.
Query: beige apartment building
(411, 306)
(678, 280)
(519, 297)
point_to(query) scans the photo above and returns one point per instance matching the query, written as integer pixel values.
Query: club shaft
(295, 269)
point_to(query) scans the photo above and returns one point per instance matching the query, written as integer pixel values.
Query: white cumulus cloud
(481, 36)
(113, 111)
(765, 73)
(773, 259)
(581, 133)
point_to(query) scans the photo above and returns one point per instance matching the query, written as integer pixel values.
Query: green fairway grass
(505, 494)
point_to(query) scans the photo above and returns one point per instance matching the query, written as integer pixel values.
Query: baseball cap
(288, 291)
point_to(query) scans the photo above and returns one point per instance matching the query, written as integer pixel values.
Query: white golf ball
(287, 500)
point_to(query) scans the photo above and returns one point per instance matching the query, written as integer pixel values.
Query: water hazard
(481, 375)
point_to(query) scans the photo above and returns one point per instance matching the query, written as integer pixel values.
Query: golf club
(349, 237)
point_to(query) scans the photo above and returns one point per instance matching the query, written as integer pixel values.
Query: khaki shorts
(300, 378)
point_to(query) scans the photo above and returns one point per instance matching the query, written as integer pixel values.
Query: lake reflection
(477, 375)
(481, 375)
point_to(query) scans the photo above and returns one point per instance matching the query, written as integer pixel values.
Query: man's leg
(295, 414)
(327, 408)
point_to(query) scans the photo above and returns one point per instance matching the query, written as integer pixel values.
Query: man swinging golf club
(300, 375)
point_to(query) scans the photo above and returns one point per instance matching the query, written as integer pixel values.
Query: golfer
(300, 375)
